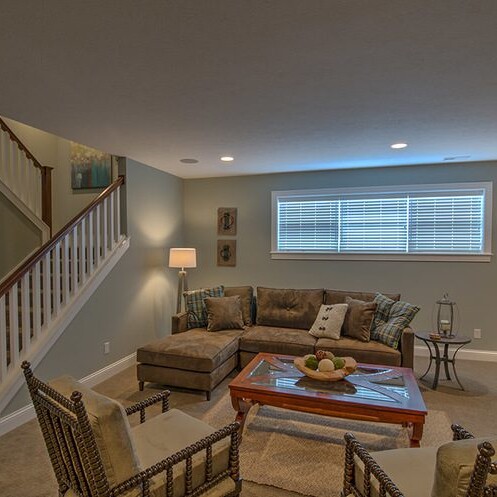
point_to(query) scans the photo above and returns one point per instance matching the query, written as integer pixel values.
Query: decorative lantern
(446, 316)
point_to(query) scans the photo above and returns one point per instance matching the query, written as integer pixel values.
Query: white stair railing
(24, 176)
(38, 292)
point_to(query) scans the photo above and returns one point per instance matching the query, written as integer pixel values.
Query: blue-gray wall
(472, 285)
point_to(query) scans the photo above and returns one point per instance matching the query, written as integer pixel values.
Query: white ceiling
(282, 85)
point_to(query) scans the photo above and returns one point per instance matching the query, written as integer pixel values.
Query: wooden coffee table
(384, 394)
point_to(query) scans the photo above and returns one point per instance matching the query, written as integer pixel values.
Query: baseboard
(468, 354)
(27, 413)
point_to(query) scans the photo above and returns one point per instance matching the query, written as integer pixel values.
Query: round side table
(433, 347)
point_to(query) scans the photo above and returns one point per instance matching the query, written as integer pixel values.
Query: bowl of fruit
(325, 366)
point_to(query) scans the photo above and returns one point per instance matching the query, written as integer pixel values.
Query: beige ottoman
(196, 359)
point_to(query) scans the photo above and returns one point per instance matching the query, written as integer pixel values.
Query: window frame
(484, 256)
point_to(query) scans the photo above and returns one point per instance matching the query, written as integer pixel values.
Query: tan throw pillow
(224, 313)
(329, 321)
(358, 320)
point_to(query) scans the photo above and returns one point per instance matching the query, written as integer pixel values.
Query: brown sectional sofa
(199, 360)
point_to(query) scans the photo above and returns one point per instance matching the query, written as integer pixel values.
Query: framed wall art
(90, 168)
(226, 221)
(226, 253)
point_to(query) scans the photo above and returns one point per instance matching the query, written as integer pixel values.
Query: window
(436, 222)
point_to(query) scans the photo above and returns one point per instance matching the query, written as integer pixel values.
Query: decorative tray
(336, 375)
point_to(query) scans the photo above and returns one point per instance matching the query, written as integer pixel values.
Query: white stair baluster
(65, 269)
(14, 326)
(90, 242)
(36, 289)
(47, 290)
(105, 240)
(56, 277)
(82, 251)
(74, 260)
(112, 234)
(98, 253)
(25, 314)
(118, 214)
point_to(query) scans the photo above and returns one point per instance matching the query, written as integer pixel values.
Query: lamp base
(182, 287)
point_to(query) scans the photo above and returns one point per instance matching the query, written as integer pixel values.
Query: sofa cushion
(224, 313)
(168, 433)
(390, 320)
(110, 428)
(359, 318)
(288, 308)
(277, 340)
(329, 321)
(455, 463)
(246, 294)
(195, 305)
(194, 350)
(369, 352)
(338, 296)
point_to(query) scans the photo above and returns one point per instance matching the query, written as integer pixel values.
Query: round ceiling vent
(189, 161)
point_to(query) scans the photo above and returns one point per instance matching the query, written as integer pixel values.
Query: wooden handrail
(39, 254)
(21, 145)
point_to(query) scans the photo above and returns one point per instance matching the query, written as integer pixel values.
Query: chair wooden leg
(208, 395)
(141, 385)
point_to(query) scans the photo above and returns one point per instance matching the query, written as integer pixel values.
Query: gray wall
(19, 236)
(134, 303)
(472, 285)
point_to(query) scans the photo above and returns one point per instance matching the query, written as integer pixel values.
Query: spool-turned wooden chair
(96, 453)
(463, 467)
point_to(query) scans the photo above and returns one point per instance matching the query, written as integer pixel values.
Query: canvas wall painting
(226, 253)
(90, 168)
(226, 221)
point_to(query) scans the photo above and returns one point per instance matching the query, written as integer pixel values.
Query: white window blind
(432, 219)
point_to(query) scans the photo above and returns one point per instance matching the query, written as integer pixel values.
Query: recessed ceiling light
(398, 145)
(189, 161)
(227, 158)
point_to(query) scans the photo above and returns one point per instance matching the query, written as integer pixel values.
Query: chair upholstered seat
(168, 433)
(412, 470)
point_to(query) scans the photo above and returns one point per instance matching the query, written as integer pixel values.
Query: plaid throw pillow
(390, 320)
(195, 305)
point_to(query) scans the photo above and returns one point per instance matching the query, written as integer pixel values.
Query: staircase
(41, 297)
(24, 181)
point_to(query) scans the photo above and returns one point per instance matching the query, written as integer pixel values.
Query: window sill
(320, 256)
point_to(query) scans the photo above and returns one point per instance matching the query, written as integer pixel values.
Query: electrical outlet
(477, 333)
(106, 347)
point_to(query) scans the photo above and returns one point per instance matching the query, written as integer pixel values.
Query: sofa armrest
(407, 348)
(179, 322)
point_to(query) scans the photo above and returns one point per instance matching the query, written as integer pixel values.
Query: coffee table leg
(242, 407)
(437, 365)
(416, 434)
(446, 360)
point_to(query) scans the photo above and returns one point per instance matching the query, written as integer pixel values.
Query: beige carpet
(278, 443)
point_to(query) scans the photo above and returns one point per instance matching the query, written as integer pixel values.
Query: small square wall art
(226, 221)
(226, 253)
(90, 168)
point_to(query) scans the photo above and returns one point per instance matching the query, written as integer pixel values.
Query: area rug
(304, 453)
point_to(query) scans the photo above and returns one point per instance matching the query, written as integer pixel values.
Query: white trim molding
(464, 354)
(27, 413)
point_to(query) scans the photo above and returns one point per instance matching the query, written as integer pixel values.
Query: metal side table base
(446, 359)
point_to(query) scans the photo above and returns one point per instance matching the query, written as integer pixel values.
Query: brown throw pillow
(246, 294)
(224, 313)
(358, 319)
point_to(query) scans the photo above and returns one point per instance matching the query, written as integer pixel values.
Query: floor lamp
(182, 258)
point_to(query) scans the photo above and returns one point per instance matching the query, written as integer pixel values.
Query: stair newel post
(46, 196)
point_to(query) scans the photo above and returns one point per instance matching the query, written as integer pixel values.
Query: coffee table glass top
(371, 384)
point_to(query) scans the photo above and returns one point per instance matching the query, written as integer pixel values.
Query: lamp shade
(182, 257)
